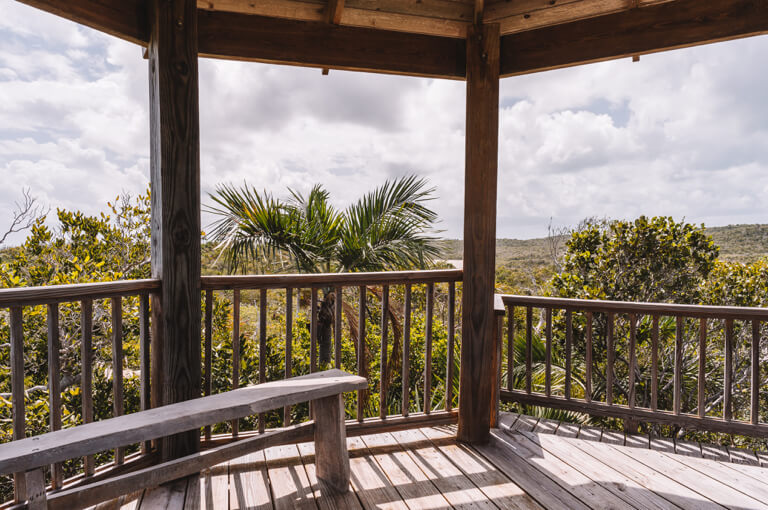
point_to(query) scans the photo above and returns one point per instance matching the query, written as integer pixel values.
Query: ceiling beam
(335, 8)
(655, 28)
(126, 19)
(319, 44)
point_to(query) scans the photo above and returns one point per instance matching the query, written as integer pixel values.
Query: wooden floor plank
(634, 482)
(249, 483)
(763, 458)
(166, 497)
(525, 423)
(715, 452)
(413, 485)
(743, 456)
(493, 483)
(688, 448)
(539, 486)
(757, 473)
(663, 444)
(568, 430)
(458, 490)
(214, 488)
(507, 420)
(546, 426)
(637, 441)
(192, 499)
(590, 433)
(288, 479)
(368, 481)
(613, 437)
(719, 487)
(326, 498)
(526, 446)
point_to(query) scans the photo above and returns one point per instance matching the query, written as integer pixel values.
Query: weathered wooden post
(478, 344)
(175, 177)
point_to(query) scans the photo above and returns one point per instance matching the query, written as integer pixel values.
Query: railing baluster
(528, 347)
(510, 348)
(208, 362)
(236, 351)
(451, 333)
(548, 369)
(262, 349)
(337, 326)
(288, 348)
(678, 374)
(383, 368)
(632, 358)
(701, 397)
(406, 370)
(361, 352)
(428, 349)
(313, 332)
(655, 363)
(588, 361)
(609, 361)
(17, 392)
(728, 379)
(54, 385)
(568, 351)
(118, 407)
(86, 384)
(755, 373)
(145, 397)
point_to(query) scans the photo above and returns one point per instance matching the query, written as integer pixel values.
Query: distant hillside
(741, 243)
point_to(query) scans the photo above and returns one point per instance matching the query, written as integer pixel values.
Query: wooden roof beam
(126, 19)
(659, 27)
(334, 10)
(319, 44)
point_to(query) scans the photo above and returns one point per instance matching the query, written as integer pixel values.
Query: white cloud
(682, 133)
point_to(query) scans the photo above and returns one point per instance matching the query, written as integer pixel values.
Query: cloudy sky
(683, 133)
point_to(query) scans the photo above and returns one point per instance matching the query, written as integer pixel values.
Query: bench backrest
(83, 440)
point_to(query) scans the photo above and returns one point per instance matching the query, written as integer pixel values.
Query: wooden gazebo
(479, 41)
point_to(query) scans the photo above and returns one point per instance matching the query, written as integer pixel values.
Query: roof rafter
(660, 27)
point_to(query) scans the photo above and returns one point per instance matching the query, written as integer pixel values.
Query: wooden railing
(697, 367)
(18, 301)
(310, 297)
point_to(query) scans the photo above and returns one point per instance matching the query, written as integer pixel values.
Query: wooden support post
(36, 496)
(478, 320)
(331, 456)
(175, 184)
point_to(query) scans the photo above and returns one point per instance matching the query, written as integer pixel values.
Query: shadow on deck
(528, 464)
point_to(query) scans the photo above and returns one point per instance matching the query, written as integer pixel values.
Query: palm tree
(387, 229)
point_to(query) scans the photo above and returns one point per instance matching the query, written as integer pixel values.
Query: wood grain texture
(405, 402)
(319, 44)
(54, 385)
(654, 28)
(125, 19)
(175, 185)
(331, 457)
(172, 419)
(145, 396)
(86, 375)
(480, 187)
(429, 320)
(383, 388)
(118, 405)
(597, 305)
(691, 421)
(16, 320)
(27, 296)
(320, 280)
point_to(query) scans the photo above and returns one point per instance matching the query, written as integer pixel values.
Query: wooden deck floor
(529, 464)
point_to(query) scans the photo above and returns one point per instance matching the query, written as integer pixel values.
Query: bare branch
(24, 216)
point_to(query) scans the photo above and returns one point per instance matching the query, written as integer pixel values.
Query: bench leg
(36, 497)
(331, 455)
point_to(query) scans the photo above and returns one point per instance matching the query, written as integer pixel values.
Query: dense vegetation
(646, 259)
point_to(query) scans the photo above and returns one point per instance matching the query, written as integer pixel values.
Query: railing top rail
(669, 309)
(28, 296)
(277, 281)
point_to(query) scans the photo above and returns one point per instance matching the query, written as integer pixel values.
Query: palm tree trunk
(325, 320)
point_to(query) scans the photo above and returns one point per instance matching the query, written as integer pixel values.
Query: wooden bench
(324, 389)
